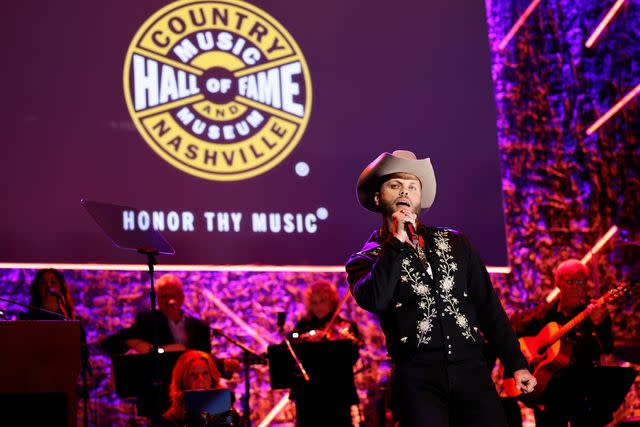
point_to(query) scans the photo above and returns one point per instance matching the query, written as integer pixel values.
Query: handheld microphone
(411, 232)
(55, 293)
(62, 302)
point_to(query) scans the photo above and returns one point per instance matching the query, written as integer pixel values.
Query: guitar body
(544, 362)
(548, 354)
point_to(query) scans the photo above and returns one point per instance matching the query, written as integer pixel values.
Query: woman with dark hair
(194, 370)
(49, 291)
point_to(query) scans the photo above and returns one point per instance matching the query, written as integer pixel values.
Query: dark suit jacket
(198, 333)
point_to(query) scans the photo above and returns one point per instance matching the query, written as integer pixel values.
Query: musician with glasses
(583, 345)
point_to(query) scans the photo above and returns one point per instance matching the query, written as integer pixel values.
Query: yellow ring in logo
(219, 89)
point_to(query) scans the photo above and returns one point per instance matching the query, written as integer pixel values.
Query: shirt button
(449, 351)
(447, 336)
(449, 345)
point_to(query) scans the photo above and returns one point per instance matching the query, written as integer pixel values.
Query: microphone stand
(294, 355)
(151, 255)
(84, 357)
(282, 319)
(249, 357)
(30, 307)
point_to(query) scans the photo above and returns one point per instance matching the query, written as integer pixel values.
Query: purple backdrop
(417, 78)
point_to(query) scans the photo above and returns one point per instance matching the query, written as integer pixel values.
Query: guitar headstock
(622, 289)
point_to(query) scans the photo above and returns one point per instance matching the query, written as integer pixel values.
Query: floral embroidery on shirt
(427, 302)
(448, 267)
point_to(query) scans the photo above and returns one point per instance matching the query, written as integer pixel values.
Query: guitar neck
(569, 326)
(610, 296)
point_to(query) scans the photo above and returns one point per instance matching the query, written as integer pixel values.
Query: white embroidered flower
(424, 325)
(404, 278)
(404, 339)
(406, 262)
(454, 266)
(422, 289)
(447, 284)
(443, 245)
(422, 305)
(461, 321)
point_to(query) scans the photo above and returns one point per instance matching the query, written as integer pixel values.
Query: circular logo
(219, 89)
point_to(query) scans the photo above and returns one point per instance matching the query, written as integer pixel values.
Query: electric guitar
(548, 354)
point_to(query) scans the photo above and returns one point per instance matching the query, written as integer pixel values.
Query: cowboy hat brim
(396, 162)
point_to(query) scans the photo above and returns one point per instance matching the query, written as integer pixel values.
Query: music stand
(150, 243)
(133, 377)
(327, 362)
(207, 408)
(607, 387)
(595, 393)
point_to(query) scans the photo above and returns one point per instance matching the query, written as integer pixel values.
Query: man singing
(435, 302)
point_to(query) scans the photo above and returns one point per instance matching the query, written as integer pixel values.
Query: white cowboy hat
(400, 161)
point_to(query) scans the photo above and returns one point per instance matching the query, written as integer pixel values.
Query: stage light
(603, 24)
(596, 125)
(275, 411)
(512, 32)
(599, 244)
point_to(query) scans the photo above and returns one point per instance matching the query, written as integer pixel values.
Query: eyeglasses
(577, 282)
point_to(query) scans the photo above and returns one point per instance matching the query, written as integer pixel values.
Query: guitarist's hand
(525, 382)
(598, 313)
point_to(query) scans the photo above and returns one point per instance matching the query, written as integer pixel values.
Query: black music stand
(594, 393)
(133, 377)
(326, 362)
(147, 242)
(327, 397)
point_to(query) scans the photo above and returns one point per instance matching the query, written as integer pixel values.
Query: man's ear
(376, 198)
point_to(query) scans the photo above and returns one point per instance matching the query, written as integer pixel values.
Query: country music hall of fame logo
(217, 88)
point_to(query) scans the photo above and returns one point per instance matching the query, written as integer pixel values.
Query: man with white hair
(563, 400)
(176, 330)
(435, 302)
